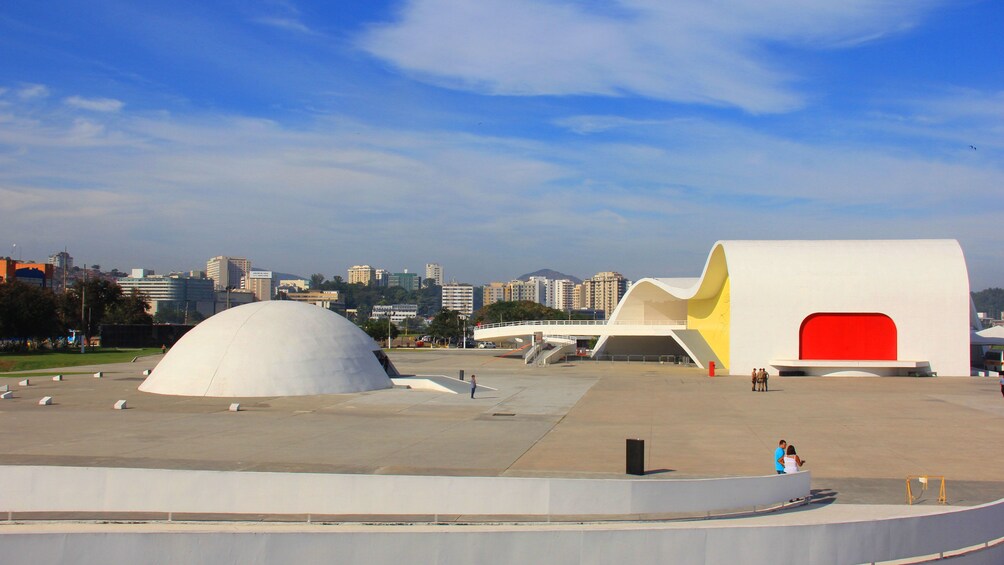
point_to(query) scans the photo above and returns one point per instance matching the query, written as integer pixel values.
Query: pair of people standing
(759, 380)
(785, 459)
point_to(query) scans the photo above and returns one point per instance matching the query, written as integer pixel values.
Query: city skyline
(496, 138)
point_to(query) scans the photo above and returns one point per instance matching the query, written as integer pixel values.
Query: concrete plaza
(861, 437)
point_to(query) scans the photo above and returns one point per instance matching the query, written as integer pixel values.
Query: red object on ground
(847, 336)
(711, 369)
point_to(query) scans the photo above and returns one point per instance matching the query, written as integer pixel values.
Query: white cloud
(94, 104)
(690, 51)
(29, 91)
(329, 192)
(288, 24)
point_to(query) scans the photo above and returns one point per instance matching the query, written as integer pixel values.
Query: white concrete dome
(273, 348)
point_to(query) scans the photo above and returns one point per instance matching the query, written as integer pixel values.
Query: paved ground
(860, 436)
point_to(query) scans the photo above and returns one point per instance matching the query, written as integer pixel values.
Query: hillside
(551, 274)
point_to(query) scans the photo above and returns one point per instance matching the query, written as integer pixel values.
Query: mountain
(277, 276)
(551, 274)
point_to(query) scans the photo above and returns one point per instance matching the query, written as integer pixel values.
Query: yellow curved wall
(710, 317)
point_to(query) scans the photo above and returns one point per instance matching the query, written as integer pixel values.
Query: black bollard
(461, 374)
(636, 457)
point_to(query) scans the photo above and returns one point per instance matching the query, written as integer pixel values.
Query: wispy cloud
(94, 104)
(685, 51)
(343, 190)
(30, 91)
(288, 24)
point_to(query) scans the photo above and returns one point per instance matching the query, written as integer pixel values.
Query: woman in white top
(791, 461)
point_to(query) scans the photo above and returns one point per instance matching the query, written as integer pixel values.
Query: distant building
(459, 297)
(604, 290)
(226, 299)
(61, 260)
(141, 273)
(262, 284)
(493, 292)
(362, 274)
(435, 272)
(330, 299)
(293, 285)
(534, 290)
(396, 312)
(36, 274)
(172, 292)
(406, 280)
(382, 277)
(564, 294)
(228, 272)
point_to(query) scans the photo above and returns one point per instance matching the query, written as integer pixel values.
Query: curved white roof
(273, 348)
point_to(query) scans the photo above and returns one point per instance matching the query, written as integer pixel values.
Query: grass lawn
(47, 359)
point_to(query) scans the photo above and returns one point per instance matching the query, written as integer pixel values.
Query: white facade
(397, 312)
(459, 297)
(564, 294)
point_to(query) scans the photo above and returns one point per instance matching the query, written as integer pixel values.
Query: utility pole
(83, 323)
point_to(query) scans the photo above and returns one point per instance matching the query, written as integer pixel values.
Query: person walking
(765, 376)
(474, 384)
(756, 374)
(779, 457)
(792, 462)
(1002, 384)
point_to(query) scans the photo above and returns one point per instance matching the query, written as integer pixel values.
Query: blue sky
(496, 137)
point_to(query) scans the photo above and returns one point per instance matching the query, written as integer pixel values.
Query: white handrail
(583, 323)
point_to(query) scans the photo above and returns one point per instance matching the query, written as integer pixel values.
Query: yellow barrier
(924, 480)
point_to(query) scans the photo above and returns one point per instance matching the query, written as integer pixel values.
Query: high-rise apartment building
(533, 290)
(61, 260)
(62, 264)
(564, 294)
(228, 272)
(459, 297)
(579, 297)
(382, 277)
(493, 292)
(604, 290)
(547, 298)
(435, 272)
(362, 274)
(262, 284)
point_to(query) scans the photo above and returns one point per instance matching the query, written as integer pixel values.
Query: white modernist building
(274, 348)
(894, 307)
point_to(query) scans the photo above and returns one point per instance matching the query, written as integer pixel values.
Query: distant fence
(661, 359)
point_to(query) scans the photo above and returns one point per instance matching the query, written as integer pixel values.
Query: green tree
(447, 324)
(27, 311)
(131, 309)
(172, 315)
(316, 280)
(517, 312)
(85, 304)
(377, 329)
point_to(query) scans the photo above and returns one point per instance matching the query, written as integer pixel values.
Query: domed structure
(273, 348)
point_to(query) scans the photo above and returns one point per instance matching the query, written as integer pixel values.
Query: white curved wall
(78, 489)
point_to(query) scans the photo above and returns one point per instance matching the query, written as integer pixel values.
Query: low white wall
(817, 544)
(54, 489)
